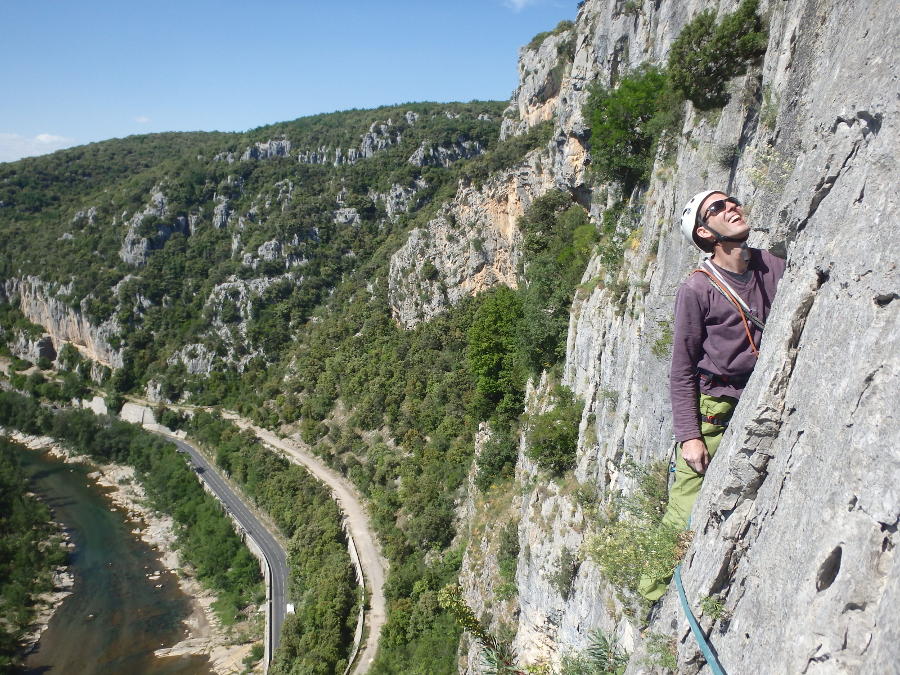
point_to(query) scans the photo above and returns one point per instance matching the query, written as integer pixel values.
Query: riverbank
(46, 604)
(204, 635)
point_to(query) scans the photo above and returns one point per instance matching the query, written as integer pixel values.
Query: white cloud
(519, 5)
(142, 119)
(16, 146)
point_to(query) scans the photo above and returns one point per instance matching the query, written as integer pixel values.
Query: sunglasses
(718, 206)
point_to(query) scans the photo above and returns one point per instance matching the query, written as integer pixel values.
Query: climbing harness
(711, 379)
(705, 648)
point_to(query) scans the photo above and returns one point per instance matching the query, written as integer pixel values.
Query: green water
(116, 617)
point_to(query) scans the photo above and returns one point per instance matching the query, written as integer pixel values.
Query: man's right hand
(695, 454)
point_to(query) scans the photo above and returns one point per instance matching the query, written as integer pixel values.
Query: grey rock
(346, 216)
(221, 213)
(398, 199)
(31, 348)
(38, 301)
(270, 250)
(267, 150)
(196, 358)
(85, 217)
(136, 246)
(428, 154)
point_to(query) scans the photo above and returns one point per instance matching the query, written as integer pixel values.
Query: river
(116, 617)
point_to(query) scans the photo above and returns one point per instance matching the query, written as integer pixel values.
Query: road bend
(374, 566)
(275, 555)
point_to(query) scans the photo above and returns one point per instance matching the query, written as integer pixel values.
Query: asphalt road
(274, 554)
(373, 564)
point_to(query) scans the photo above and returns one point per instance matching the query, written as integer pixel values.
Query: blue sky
(87, 70)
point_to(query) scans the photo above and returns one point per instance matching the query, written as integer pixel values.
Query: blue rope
(711, 659)
(708, 654)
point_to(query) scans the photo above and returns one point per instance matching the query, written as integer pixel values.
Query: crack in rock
(868, 124)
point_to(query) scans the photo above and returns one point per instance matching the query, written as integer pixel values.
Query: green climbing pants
(684, 491)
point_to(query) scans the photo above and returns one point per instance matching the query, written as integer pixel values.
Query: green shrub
(714, 608)
(603, 656)
(497, 460)
(559, 240)
(662, 346)
(629, 123)
(566, 568)
(705, 56)
(553, 435)
(634, 541)
(494, 354)
(661, 651)
(508, 559)
(561, 27)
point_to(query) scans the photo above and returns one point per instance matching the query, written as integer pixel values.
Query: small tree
(553, 436)
(628, 123)
(704, 56)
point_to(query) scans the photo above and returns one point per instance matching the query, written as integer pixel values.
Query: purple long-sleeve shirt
(709, 335)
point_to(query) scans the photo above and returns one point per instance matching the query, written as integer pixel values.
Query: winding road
(372, 565)
(275, 555)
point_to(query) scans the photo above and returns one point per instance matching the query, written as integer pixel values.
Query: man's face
(729, 222)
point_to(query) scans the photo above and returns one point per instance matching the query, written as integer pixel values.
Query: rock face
(796, 528)
(381, 135)
(541, 72)
(398, 199)
(139, 243)
(39, 302)
(428, 154)
(472, 245)
(267, 150)
(33, 349)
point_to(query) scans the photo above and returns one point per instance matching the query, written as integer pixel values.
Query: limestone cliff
(796, 528)
(41, 304)
(471, 245)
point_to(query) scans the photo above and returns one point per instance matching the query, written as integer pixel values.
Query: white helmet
(690, 218)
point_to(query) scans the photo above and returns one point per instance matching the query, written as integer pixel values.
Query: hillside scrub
(29, 552)
(559, 240)
(305, 338)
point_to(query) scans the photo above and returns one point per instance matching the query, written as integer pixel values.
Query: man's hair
(705, 244)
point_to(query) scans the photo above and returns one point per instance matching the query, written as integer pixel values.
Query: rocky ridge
(473, 244)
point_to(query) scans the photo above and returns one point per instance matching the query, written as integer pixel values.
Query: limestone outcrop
(40, 303)
(428, 154)
(148, 230)
(472, 245)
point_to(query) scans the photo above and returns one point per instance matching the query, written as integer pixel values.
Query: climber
(720, 313)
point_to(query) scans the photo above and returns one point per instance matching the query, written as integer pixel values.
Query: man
(720, 311)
